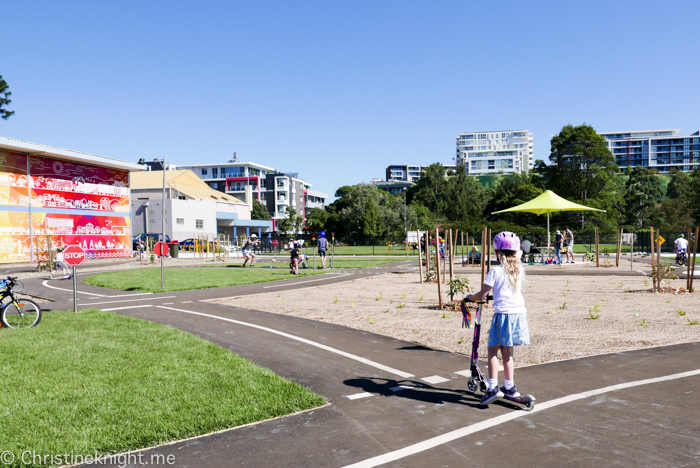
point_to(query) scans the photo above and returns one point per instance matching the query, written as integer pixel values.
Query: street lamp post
(405, 232)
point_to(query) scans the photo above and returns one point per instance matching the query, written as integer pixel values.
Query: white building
(660, 150)
(501, 152)
(277, 190)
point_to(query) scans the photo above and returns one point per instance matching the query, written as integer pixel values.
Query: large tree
(678, 205)
(513, 191)
(260, 211)
(694, 195)
(643, 193)
(5, 99)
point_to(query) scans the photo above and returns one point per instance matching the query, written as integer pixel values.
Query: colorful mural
(56, 187)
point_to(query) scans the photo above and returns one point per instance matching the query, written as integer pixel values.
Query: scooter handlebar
(487, 299)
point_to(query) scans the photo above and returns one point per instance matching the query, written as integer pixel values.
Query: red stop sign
(74, 255)
(161, 249)
(274, 242)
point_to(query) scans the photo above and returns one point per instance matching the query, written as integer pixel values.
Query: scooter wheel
(528, 402)
(471, 385)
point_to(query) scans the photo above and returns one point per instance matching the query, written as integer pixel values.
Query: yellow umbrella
(548, 202)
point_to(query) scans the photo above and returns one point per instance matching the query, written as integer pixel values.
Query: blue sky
(337, 91)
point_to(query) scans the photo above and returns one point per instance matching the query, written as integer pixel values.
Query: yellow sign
(661, 240)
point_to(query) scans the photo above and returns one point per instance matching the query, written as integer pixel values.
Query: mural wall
(75, 203)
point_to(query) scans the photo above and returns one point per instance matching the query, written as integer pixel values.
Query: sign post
(161, 249)
(74, 255)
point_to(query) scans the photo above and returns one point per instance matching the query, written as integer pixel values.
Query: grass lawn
(215, 276)
(101, 382)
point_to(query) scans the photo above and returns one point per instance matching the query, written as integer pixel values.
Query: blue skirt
(509, 330)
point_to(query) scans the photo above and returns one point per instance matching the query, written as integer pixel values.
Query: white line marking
(400, 387)
(135, 294)
(391, 370)
(465, 431)
(45, 283)
(186, 302)
(308, 281)
(465, 373)
(127, 300)
(435, 379)
(357, 396)
(128, 307)
(167, 303)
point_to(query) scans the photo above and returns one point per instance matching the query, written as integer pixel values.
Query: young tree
(5, 99)
(643, 193)
(260, 211)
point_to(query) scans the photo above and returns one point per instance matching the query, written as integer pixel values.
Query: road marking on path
(435, 379)
(465, 431)
(465, 373)
(135, 294)
(186, 302)
(307, 281)
(127, 300)
(357, 396)
(142, 306)
(391, 370)
(46, 283)
(400, 388)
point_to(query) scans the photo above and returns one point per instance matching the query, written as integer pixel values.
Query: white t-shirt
(681, 243)
(526, 246)
(505, 299)
(59, 256)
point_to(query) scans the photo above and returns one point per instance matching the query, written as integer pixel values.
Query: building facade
(65, 197)
(398, 173)
(277, 190)
(192, 208)
(660, 150)
(392, 187)
(505, 152)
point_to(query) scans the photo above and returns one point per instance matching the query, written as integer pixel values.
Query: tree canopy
(5, 99)
(260, 211)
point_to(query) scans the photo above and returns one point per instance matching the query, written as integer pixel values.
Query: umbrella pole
(549, 252)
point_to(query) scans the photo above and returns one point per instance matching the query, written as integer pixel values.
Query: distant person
(249, 249)
(569, 244)
(60, 262)
(294, 255)
(474, 256)
(322, 247)
(681, 245)
(558, 242)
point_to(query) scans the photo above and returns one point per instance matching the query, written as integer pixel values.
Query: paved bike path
(633, 427)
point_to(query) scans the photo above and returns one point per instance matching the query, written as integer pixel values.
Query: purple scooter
(477, 379)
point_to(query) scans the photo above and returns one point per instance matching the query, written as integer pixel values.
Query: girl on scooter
(509, 323)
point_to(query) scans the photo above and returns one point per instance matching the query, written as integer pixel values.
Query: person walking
(322, 247)
(294, 254)
(509, 323)
(569, 244)
(558, 241)
(249, 249)
(60, 262)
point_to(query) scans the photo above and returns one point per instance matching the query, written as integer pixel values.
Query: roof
(183, 180)
(38, 149)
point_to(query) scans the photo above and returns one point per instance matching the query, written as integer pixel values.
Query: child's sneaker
(491, 395)
(512, 393)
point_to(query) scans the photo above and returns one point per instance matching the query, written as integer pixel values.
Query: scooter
(477, 379)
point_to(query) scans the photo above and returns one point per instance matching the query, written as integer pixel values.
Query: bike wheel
(27, 315)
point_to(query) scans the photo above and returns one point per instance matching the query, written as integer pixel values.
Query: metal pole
(162, 234)
(405, 232)
(332, 249)
(420, 258)
(632, 252)
(437, 266)
(75, 292)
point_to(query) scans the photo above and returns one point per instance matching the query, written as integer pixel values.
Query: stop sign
(161, 249)
(74, 255)
(274, 242)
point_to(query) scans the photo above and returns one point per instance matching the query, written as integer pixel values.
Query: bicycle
(681, 258)
(18, 313)
(589, 256)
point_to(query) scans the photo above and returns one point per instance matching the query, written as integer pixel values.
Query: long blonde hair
(513, 268)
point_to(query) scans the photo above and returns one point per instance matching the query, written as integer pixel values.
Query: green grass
(100, 382)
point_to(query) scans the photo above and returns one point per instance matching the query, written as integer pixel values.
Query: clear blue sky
(339, 90)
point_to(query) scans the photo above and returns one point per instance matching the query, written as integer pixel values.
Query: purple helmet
(506, 241)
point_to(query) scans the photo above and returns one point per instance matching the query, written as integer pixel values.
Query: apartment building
(277, 190)
(660, 150)
(409, 173)
(505, 152)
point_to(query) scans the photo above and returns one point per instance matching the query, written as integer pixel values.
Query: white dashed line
(46, 283)
(127, 300)
(167, 303)
(465, 431)
(307, 281)
(186, 302)
(435, 379)
(400, 387)
(128, 307)
(135, 294)
(357, 396)
(464, 373)
(368, 362)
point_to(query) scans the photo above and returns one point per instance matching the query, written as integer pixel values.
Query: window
(199, 223)
(204, 171)
(151, 212)
(215, 172)
(152, 221)
(280, 183)
(180, 221)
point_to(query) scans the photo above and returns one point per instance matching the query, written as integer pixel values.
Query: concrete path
(393, 403)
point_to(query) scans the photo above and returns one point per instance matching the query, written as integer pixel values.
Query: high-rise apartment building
(277, 190)
(505, 152)
(660, 150)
